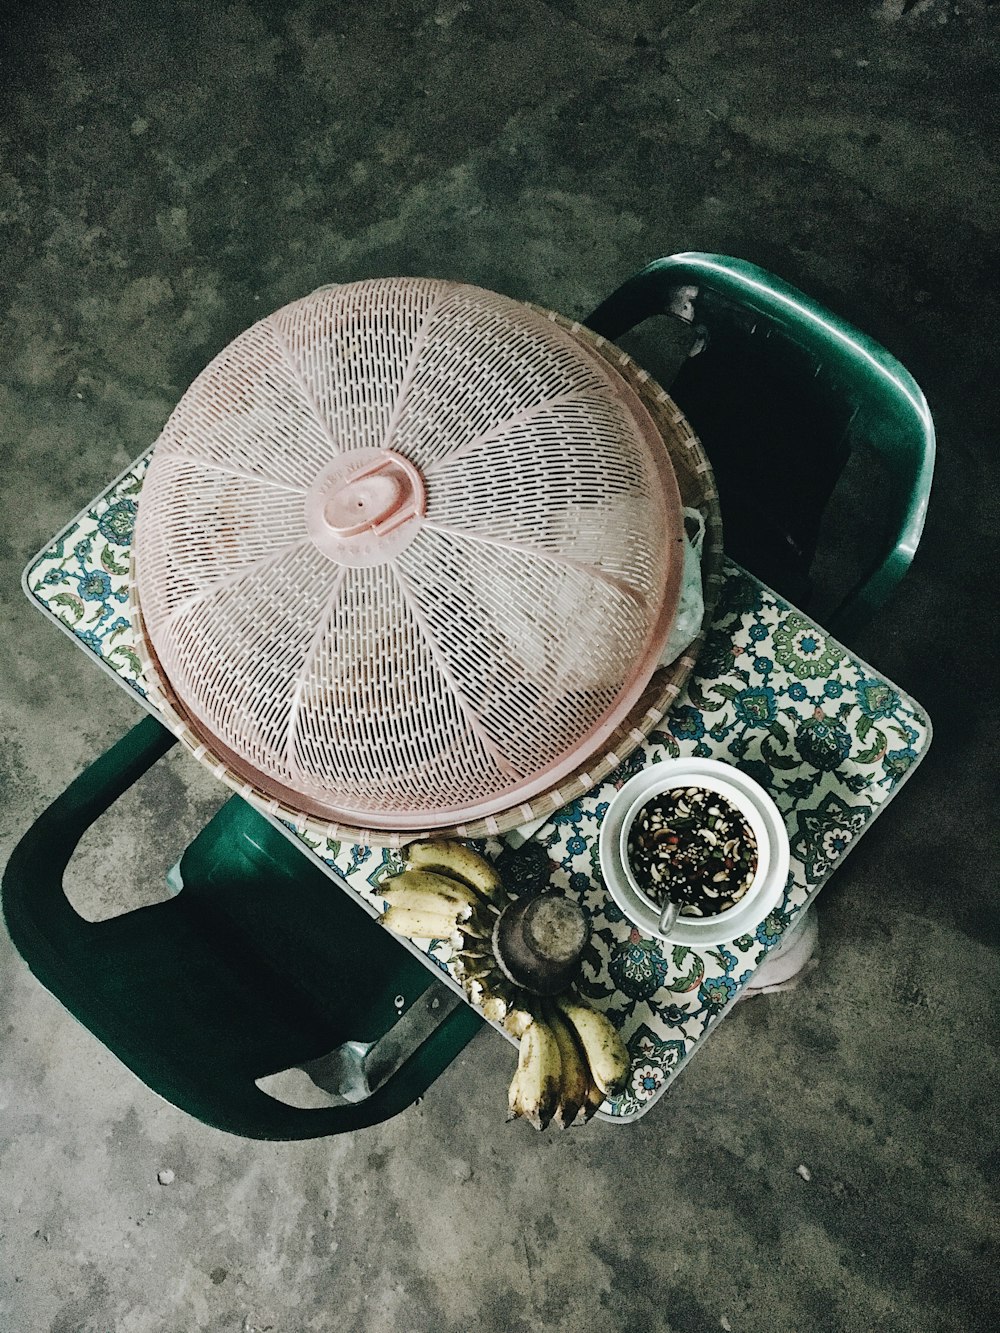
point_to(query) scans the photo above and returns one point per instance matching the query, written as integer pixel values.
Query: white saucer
(697, 932)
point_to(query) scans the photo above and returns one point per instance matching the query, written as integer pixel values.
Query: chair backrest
(781, 393)
(259, 964)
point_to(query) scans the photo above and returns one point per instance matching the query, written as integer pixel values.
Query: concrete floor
(169, 173)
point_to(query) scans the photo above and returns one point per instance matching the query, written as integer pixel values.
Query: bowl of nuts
(694, 851)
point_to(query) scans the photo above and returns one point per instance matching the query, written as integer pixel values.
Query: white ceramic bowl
(753, 803)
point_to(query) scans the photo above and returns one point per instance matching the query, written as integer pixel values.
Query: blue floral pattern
(771, 693)
(82, 577)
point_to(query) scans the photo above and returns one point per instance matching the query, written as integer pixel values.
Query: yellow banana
(499, 997)
(484, 971)
(494, 1008)
(420, 924)
(514, 1095)
(474, 953)
(606, 1053)
(416, 888)
(518, 1020)
(474, 929)
(534, 1093)
(461, 862)
(574, 1077)
(594, 1102)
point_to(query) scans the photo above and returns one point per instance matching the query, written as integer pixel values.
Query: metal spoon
(668, 917)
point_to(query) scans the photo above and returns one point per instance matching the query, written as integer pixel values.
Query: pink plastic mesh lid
(407, 552)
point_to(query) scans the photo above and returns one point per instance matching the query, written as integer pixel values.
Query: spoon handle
(668, 917)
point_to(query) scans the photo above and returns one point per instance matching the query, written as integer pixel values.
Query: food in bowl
(691, 846)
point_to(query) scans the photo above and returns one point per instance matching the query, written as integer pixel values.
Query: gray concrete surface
(169, 172)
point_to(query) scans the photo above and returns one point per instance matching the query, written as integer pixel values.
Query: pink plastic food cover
(407, 553)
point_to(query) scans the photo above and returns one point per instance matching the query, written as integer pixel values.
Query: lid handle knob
(377, 498)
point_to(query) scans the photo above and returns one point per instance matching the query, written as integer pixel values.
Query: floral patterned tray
(830, 739)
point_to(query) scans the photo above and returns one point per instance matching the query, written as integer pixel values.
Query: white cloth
(787, 963)
(685, 628)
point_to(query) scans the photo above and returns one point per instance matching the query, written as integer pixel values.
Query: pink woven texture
(485, 626)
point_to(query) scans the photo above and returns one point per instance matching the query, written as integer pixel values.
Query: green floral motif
(803, 650)
(897, 762)
(823, 742)
(876, 699)
(740, 594)
(689, 968)
(771, 929)
(825, 832)
(128, 656)
(110, 564)
(716, 992)
(118, 521)
(756, 707)
(73, 605)
(716, 657)
(686, 722)
(637, 967)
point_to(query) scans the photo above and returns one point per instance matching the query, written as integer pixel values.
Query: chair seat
(277, 917)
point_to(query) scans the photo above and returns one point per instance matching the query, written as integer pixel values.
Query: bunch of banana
(450, 892)
(424, 904)
(455, 860)
(571, 1057)
(446, 892)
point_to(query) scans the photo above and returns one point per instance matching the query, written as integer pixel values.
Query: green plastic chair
(258, 965)
(780, 393)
